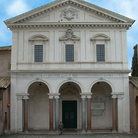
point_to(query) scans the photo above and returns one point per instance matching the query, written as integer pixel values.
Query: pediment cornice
(69, 25)
(62, 3)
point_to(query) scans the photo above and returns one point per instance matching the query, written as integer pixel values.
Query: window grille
(38, 53)
(69, 53)
(100, 51)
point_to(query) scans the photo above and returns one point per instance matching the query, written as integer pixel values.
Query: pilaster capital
(21, 96)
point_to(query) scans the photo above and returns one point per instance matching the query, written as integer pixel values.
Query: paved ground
(73, 136)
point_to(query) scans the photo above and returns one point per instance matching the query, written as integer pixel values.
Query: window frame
(40, 58)
(100, 53)
(71, 59)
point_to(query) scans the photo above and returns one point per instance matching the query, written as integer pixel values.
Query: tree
(135, 62)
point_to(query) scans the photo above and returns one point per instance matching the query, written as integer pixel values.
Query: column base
(53, 133)
(114, 131)
(83, 132)
(26, 132)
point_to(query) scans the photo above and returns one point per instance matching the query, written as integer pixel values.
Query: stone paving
(132, 135)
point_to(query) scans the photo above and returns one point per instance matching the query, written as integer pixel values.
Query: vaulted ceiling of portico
(69, 11)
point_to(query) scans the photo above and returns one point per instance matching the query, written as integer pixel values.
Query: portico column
(19, 113)
(83, 113)
(56, 112)
(88, 113)
(114, 112)
(26, 98)
(50, 113)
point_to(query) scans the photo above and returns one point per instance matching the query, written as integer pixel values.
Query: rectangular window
(69, 53)
(38, 53)
(100, 51)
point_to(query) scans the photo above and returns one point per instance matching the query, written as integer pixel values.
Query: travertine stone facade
(83, 26)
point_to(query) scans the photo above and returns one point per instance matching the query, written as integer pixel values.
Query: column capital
(121, 96)
(86, 95)
(114, 96)
(54, 95)
(26, 97)
(21, 96)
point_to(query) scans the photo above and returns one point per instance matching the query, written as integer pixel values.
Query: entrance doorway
(69, 114)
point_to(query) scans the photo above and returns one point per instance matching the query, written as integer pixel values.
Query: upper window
(69, 53)
(38, 53)
(100, 52)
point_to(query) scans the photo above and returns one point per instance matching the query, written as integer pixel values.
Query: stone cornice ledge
(70, 24)
(69, 71)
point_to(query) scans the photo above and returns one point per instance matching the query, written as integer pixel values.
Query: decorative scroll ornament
(69, 13)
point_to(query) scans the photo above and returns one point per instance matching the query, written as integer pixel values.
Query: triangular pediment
(68, 11)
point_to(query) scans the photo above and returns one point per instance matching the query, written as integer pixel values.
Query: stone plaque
(97, 108)
(97, 112)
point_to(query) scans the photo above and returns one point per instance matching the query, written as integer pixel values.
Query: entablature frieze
(67, 25)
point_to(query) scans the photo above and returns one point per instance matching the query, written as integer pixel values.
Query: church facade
(69, 64)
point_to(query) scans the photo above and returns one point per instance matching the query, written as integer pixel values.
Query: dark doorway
(69, 114)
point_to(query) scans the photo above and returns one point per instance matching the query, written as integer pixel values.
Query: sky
(128, 8)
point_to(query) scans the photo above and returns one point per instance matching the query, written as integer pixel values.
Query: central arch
(70, 105)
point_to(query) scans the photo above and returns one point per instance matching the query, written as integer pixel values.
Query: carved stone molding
(69, 13)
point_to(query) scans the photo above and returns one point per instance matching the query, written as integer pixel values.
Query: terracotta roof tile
(134, 81)
(4, 82)
(5, 48)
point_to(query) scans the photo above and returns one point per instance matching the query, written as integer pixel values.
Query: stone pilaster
(19, 113)
(26, 98)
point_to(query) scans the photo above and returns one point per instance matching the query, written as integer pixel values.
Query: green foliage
(135, 62)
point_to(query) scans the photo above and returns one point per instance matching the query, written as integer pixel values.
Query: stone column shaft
(56, 113)
(114, 114)
(83, 113)
(51, 114)
(25, 115)
(88, 114)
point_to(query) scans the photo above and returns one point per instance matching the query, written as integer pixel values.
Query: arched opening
(101, 106)
(70, 105)
(38, 106)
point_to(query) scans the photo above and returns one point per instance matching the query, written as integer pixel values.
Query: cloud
(17, 7)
